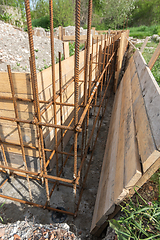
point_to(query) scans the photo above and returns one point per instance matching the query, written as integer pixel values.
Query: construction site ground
(14, 211)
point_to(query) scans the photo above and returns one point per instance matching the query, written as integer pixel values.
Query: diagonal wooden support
(144, 44)
(154, 57)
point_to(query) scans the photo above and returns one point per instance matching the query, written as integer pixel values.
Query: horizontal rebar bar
(36, 205)
(38, 123)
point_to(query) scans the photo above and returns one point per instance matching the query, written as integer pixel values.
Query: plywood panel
(147, 148)
(132, 168)
(106, 184)
(151, 95)
(22, 84)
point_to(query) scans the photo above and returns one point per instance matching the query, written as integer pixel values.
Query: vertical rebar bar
(38, 115)
(53, 77)
(61, 112)
(76, 86)
(88, 50)
(35, 110)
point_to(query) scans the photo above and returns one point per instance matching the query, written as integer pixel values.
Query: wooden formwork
(132, 151)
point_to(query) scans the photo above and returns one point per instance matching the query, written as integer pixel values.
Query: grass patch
(144, 31)
(147, 54)
(140, 220)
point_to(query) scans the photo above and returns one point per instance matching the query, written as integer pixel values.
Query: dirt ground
(14, 211)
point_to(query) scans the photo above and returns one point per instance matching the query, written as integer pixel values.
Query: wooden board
(119, 190)
(106, 184)
(151, 96)
(147, 149)
(22, 85)
(66, 49)
(132, 168)
(154, 57)
(132, 135)
(144, 44)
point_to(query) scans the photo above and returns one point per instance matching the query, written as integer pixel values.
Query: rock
(2, 231)
(38, 31)
(155, 37)
(64, 226)
(17, 237)
(13, 13)
(14, 49)
(36, 231)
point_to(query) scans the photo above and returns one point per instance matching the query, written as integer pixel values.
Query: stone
(2, 231)
(17, 237)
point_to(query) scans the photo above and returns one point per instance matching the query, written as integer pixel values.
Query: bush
(43, 22)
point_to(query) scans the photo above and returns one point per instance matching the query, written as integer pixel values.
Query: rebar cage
(68, 100)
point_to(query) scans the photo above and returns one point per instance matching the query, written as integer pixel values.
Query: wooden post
(144, 44)
(60, 33)
(66, 50)
(93, 31)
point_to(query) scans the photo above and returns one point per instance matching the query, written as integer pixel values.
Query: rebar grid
(99, 62)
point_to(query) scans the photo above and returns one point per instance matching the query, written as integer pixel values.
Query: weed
(18, 64)
(46, 66)
(1, 207)
(147, 54)
(140, 221)
(72, 48)
(36, 50)
(62, 58)
(6, 17)
(36, 57)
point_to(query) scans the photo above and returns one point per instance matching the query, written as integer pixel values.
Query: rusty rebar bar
(61, 100)
(53, 78)
(31, 45)
(76, 84)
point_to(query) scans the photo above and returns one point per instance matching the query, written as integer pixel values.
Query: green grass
(144, 31)
(147, 54)
(141, 220)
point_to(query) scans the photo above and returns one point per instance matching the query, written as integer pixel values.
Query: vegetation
(144, 31)
(106, 13)
(140, 220)
(147, 54)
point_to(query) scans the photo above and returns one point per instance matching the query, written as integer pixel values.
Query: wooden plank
(153, 168)
(22, 84)
(66, 50)
(16, 161)
(151, 95)
(60, 33)
(154, 57)
(120, 54)
(132, 169)
(144, 44)
(147, 149)
(8, 132)
(132, 67)
(119, 190)
(104, 201)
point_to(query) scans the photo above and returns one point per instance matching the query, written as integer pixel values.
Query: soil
(14, 211)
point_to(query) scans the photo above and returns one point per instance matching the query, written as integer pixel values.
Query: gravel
(14, 49)
(22, 230)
